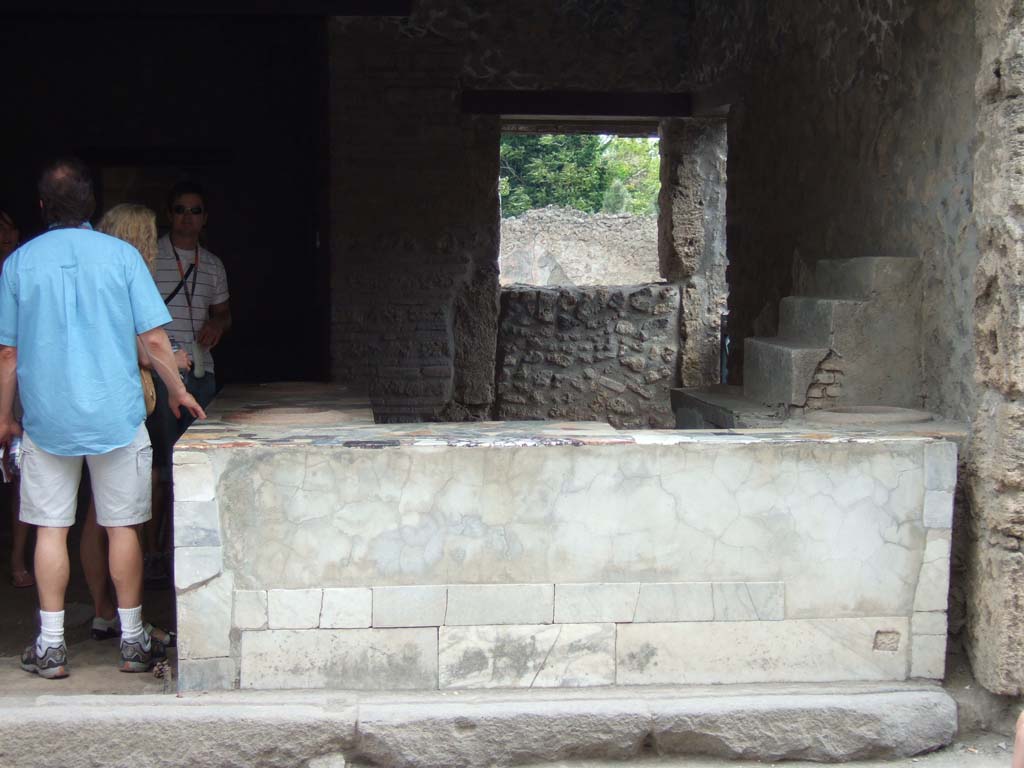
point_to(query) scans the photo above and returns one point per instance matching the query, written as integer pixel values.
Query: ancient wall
(994, 522)
(561, 246)
(414, 218)
(843, 143)
(584, 354)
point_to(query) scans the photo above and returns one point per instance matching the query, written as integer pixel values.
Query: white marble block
(550, 655)
(675, 602)
(749, 601)
(347, 608)
(595, 603)
(194, 481)
(792, 651)
(204, 619)
(250, 609)
(940, 466)
(413, 606)
(470, 604)
(928, 657)
(938, 509)
(932, 592)
(929, 623)
(294, 608)
(196, 524)
(206, 674)
(194, 565)
(353, 659)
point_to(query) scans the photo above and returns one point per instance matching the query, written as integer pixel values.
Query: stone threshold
(825, 723)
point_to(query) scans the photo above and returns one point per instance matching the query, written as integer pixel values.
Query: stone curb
(502, 728)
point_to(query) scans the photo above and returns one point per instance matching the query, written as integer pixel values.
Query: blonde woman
(136, 225)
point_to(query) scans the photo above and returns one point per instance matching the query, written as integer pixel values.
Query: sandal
(22, 579)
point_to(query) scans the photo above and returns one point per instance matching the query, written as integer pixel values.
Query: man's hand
(216, 324)
(185, 400)
(183, 360)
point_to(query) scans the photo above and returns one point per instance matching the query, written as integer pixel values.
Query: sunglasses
(181, 210)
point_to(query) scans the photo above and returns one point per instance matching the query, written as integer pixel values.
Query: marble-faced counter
(531, 554)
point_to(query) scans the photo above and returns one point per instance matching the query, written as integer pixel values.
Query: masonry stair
(854, 339)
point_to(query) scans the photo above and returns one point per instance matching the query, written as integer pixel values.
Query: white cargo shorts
(121, 482)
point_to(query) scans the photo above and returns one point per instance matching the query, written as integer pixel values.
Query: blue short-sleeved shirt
(72, 301)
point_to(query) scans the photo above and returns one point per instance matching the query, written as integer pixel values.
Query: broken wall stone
(584, 354)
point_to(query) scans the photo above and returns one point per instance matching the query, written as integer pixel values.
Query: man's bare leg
(1018, 744)
(52, 567)
(126, 565)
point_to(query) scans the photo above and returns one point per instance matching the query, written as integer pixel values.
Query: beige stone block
(412, 606)
(294, 608)
(791, 651)
(194, 482)
(928, 657)
(500, 604)
(204, 619)
(250, 611)
(348, 608)
(341, 659)
(595, 603)
(932, 592)
(539, 656)
(749, 601)
(691, 601)
(929, 623)
(195, 565)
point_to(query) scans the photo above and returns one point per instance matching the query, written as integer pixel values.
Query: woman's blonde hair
(136, 225)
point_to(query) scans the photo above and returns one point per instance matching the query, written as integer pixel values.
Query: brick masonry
(604, 353)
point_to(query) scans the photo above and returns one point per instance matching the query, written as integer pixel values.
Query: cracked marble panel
(195, 565)
(352, 659)
(553, 655)
(204, 619)
(346, 608)
(294, 608)
(250, 609)
(674, 602)
(196, 524)
(591, 603)
(933, 582)
(814, 650)
(749, 601)
(840, 523)
(500, 604)
(409, 606)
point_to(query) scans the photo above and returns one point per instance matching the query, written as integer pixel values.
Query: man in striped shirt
(194, 286)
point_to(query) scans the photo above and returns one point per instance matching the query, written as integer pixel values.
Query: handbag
(148, 389)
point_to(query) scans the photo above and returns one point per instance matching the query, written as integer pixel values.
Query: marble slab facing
(204, 619)
(352, 659)
(479, 604)
(544, 656)
(813, 650)
(412, 606)
(294, 608)
(250, 609)
(595, 603)
(675, 602)
(346, 608)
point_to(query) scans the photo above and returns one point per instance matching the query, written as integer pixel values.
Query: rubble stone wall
(592, 353)
(993, 518)
(561, 246)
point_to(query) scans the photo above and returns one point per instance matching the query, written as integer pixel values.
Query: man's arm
(216, 325)
(159, 348)
(8, 386)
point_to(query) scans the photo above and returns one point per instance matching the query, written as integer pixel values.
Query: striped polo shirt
(211, 287)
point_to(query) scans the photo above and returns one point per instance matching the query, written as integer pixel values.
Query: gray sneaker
(53, 664)
(135, 657)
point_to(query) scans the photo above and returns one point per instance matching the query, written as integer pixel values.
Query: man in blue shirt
(72, 303)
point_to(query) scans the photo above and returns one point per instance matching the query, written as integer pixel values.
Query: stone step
(779, 370)
(814, 320)
(865, 277)
(825, 723)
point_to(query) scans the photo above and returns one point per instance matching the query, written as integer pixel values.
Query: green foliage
(589, 173)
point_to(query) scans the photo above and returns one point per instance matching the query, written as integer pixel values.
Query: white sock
(131, 625)
(51, 630)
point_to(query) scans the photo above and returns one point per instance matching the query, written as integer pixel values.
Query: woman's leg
(93, 551)
(20, 575)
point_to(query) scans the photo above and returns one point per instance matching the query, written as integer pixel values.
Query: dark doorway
(237, 103)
